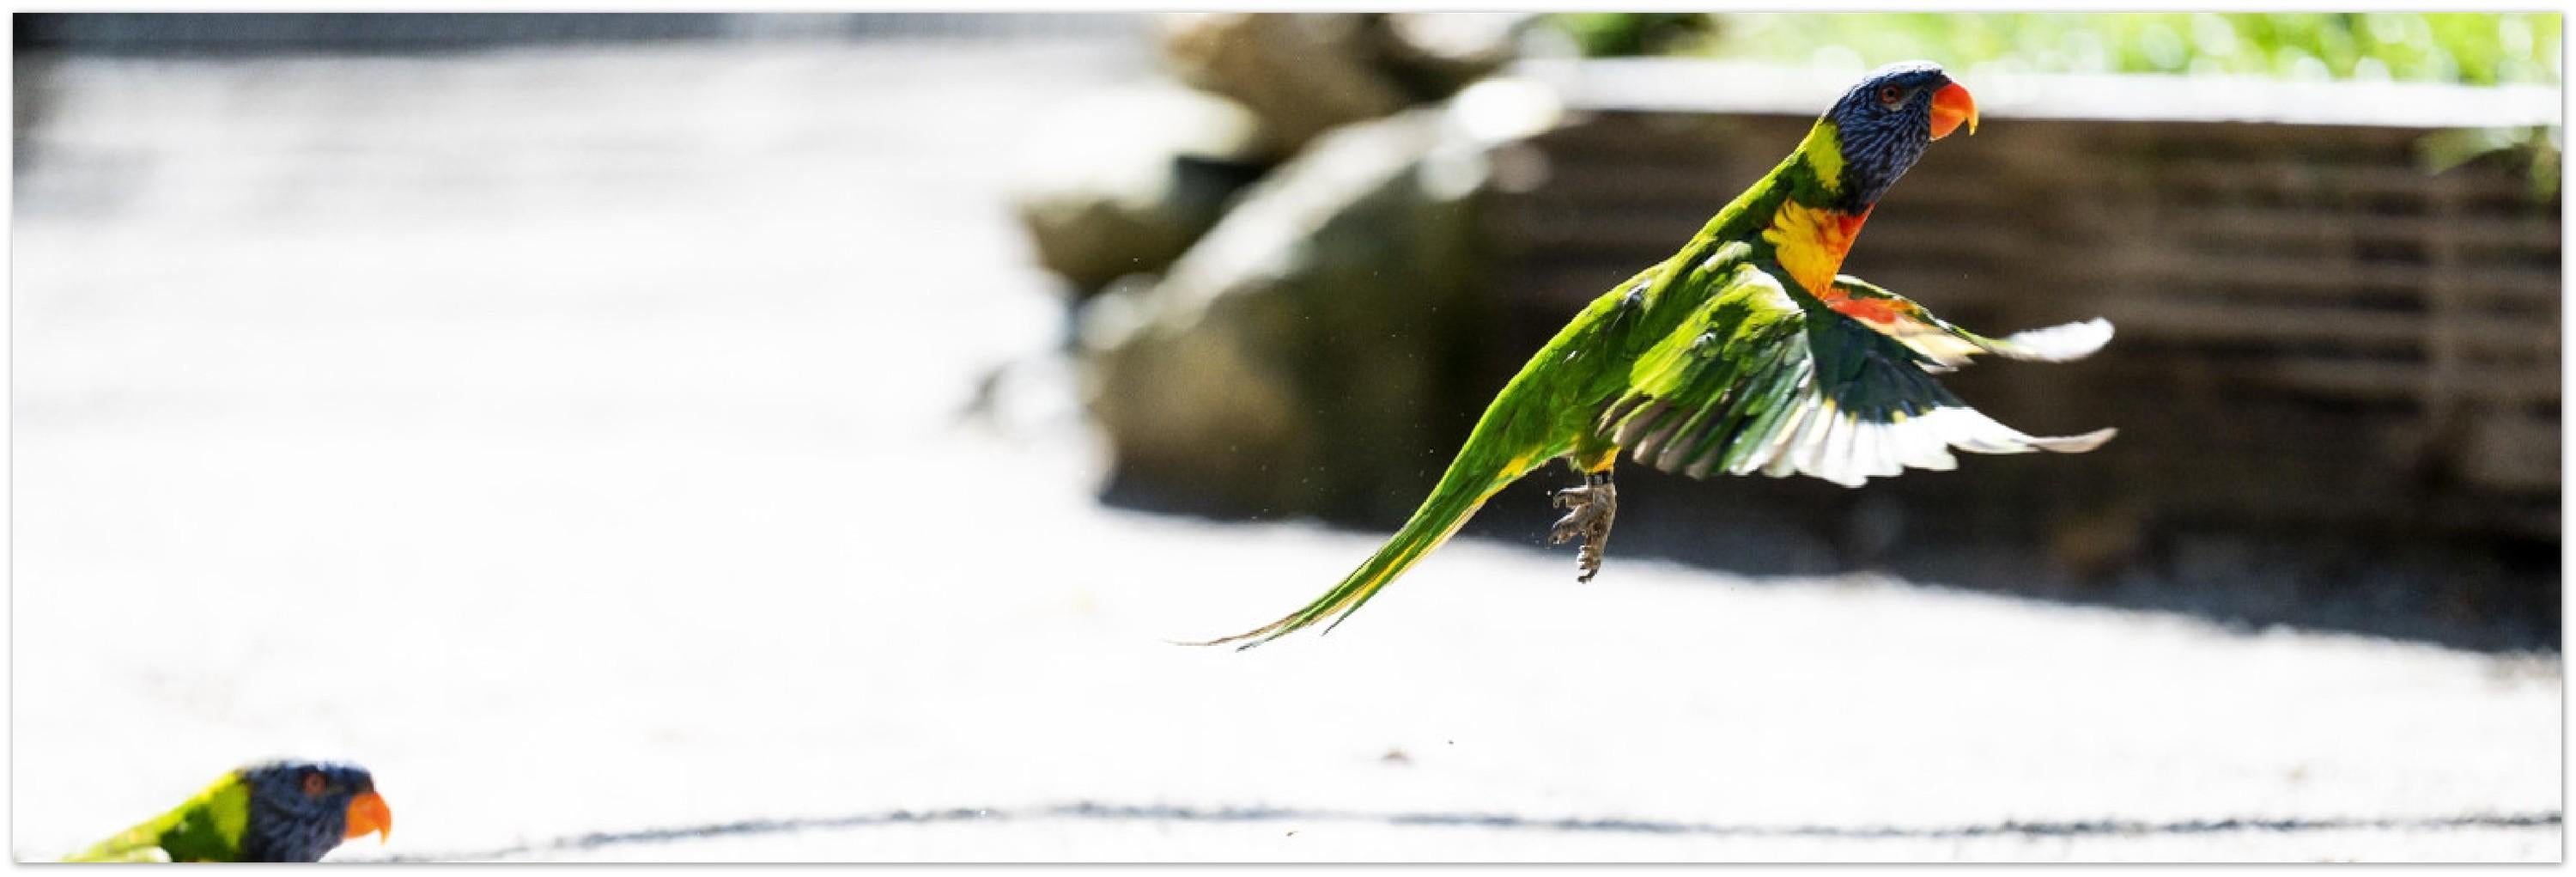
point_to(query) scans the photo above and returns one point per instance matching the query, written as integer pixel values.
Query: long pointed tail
(1456, 498)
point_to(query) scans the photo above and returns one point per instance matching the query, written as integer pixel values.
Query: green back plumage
(208, 828)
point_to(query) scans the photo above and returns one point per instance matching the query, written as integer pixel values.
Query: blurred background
(795, 436)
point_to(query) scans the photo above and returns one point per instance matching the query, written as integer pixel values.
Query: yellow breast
(1810, 242)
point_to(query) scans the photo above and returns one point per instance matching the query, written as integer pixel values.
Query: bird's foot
(1590, 508)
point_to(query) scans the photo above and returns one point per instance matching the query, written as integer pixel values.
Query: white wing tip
(2060, 343)
(2074, 444)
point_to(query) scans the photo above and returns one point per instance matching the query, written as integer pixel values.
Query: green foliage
(1614, 34)
(2463, 48)
(2536, 150)
(2471, 48)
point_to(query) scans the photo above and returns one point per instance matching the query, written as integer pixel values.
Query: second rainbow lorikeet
(277, 811)
(1747, 351)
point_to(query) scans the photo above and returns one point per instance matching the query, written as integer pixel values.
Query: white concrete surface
(570, 437)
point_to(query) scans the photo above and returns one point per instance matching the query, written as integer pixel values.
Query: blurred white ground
(570, 437)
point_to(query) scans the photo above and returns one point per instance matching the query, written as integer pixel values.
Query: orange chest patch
(1810, 242)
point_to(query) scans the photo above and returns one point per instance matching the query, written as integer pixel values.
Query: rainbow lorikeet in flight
(277, 811)
(1744, 352)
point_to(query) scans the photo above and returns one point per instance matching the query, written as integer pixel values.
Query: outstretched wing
(1948, 346)
(1752, 382)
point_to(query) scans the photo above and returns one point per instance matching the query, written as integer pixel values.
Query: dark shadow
(2489, 592)
(2486, 592)
(1092, 810)
(31, 103)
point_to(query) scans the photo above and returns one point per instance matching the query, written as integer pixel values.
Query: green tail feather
(1528, 424)
(1457, 498)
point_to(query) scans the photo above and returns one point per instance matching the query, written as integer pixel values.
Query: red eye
(1887, 94)
(313, 784)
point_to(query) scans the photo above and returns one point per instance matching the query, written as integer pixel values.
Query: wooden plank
(2238, 322)
(1666, 230)
(2332, 228)
(1710, 185)
(2283, 176)
(2323, 277)
(2365, 380)
(2380, 330)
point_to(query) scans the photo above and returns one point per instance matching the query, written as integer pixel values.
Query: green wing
(1949, 346)
(208, 828)
(1757, 380)
(128, 847)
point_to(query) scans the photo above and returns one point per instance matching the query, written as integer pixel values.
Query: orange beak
(1950, 106)
(368, 814)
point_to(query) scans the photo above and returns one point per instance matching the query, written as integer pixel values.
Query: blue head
(1886, 120)
(301, 809)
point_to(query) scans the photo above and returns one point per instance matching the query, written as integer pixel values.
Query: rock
(1121, 184)
(1310, 354)
(1434, 54)
(1306, 73)
(1301, 73)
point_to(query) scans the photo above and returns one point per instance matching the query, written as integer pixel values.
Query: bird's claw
(1591, 507)
(1577, 499)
